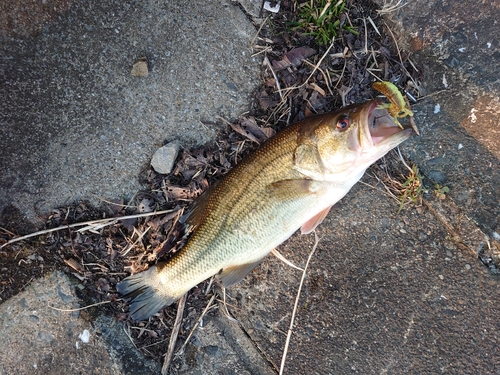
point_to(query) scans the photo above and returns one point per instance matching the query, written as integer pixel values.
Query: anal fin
(234, 274)
(313, 222)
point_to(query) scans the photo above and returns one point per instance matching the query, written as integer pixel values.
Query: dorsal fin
(194, 214)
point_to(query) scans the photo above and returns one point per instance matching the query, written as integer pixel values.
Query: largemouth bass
(289, 183)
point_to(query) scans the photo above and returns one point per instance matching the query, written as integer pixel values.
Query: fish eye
(343, 123)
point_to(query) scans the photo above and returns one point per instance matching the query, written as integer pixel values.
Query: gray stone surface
(36, 339)
(76, 124)
(386, 293)
(220, 347)
(459, 55)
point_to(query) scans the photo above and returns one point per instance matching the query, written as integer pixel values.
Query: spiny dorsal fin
(194, 214)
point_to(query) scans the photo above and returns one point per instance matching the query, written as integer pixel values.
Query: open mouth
(381, 124)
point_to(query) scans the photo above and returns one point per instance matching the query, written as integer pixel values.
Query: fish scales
(288, 183)
(233, 226)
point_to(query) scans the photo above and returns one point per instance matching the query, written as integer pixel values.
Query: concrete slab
(36, 339)
(385, 293)
(459, 54)
(77, 125)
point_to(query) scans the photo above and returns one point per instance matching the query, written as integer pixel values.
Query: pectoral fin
(294, 189)
(313, 222)
(234, 274)
(289, 189)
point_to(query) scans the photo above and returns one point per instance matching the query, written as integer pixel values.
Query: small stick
(278, 255)
(373, 24)
(139, 238)
(225, 311)
(274, 75)
(314, 70)
(399, 54)
(108, 221)
(80, 308)
(112, 203)
(208, 307)
(391, 8)
(127, 332)
(173, 336)
(289, 335)
(258, 31)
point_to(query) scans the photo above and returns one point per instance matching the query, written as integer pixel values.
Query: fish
(290, 182)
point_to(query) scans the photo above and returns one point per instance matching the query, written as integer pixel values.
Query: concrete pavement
(385, 293)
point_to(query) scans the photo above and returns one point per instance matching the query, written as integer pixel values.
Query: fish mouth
(382, 128)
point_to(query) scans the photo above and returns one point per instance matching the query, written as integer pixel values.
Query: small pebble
(164, 158)
(467, 266)
(84, 336)
(140, 68)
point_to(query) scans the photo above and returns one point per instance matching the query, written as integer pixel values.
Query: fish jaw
(379, 133)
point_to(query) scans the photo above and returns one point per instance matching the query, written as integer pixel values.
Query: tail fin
(142, 292)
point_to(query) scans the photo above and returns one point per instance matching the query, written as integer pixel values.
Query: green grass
(321, 19)
(441, 191)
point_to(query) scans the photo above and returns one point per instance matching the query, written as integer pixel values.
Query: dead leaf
(294, 58)
(73, 263)
(269, 132)
(177, 192)
(146, 205)
(297, 55)
(249, 124)
(239, 129)
(266, 101)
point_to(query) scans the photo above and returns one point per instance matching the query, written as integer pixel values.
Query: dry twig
(208, 307)
(289, 335)
(173, 336)
(92, 224)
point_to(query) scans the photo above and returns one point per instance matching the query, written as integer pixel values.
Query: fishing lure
(397, 107)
